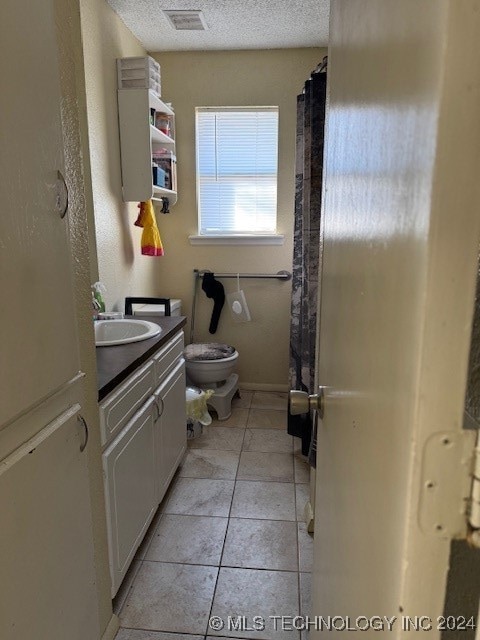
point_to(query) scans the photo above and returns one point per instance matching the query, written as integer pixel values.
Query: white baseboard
(262, 386)
(113, 627)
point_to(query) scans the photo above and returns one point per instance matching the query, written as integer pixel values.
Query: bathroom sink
(112, 332)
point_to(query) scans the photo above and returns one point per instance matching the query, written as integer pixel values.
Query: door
(129, 472)
(401, 233)
(46, 535)
(37, 324)
(170, 427)
(47, 564)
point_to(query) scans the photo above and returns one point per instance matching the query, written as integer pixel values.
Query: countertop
(116, 363)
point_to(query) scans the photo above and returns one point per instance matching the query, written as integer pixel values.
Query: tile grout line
(181, 634)
(295, 523)
(298, 548)
(299, 635)
(228, 518)
(300, 612)
(224, 566)
(225, 538)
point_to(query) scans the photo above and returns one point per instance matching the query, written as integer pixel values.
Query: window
(237, 149)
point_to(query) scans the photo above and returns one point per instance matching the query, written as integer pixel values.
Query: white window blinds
(237, 151)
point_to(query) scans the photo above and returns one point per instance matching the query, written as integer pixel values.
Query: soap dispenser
(98, 290)
(95, 307)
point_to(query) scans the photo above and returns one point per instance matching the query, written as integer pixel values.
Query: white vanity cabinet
(143, 446)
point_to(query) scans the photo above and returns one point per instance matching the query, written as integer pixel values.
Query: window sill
(271, 239)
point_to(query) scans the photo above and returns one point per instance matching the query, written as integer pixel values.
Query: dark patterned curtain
(306, 246)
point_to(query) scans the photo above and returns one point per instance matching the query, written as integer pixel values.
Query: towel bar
(280, 275)
(197, 273)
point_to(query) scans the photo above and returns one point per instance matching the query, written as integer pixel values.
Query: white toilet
(211, 366)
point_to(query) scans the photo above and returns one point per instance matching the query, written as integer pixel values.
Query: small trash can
(197, 412)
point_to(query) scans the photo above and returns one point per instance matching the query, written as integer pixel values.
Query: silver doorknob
(301, 402)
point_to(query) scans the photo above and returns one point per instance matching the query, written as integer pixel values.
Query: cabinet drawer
(167, 357)
(122, 403)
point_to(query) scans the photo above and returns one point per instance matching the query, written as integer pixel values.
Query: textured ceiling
(232, 24)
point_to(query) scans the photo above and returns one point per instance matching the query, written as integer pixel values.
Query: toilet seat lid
(208, 351)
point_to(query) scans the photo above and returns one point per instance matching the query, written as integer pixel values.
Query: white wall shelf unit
(139, 139)
(159, 138)
(158, 192)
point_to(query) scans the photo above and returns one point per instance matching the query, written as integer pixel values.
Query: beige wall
(224, 78)
(190, 80)
(112, 237)
(120, 265)
(82, 228)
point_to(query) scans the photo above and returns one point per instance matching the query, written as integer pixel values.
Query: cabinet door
(46, 549)
(38, 329)
(170, 427)
(129, 471)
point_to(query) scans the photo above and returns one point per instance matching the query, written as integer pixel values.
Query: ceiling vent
(190, 20)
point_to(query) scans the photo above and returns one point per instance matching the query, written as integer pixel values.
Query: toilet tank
(158, 309)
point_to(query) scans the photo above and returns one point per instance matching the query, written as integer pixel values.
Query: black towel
(214, 289)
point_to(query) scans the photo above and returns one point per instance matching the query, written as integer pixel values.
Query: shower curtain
(306, 248)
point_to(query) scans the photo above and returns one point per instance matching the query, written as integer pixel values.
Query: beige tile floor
(229, 538)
